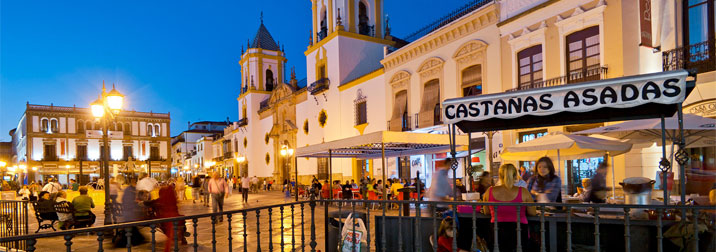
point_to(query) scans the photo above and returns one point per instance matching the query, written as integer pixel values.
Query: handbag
(353, 236)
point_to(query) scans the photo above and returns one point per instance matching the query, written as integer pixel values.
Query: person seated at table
(545, 186)
(394, 189)
(460, 187)
(347, 190)
(445, 235)
(506, 220)
(584, 191)
(326, 190)
(83, 205)
(484, 183)
(354, 185)
(379, 187)
(44, 202)
(66, 220)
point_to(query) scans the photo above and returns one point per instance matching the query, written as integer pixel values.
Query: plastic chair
(373, 196)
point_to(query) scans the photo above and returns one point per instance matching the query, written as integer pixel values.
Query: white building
(54, 140)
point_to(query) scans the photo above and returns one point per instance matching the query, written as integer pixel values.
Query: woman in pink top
(507, 215)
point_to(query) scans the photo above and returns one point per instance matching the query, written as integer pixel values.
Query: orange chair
(373, 196)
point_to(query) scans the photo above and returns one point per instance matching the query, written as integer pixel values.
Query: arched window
(363, 20)
(127, 129)
(583, 55)
(113, 127)
(529, 62)
(150, 130)
(120, 127)
(399, 121)
(44, 124)
(80, 126)
(324, 25)
(472, 80)
(157, 130)
(88, 125)
(269, 80)
(54, 126)
(431, 99)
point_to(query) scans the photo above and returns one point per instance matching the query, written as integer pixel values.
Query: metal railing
(13, 222)
(243, 122)
(295, 225)
(318, 86)
(699, 57)
(447, 19)
(594, 73)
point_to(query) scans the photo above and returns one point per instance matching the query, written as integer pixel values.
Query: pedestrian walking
(113, 190)
(218, 190)
(245, 185)
(205, 190)
(232, 185)
(196, 189)
(180, 188)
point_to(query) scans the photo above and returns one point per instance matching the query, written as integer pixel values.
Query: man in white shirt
(245, 184)
(255, 184)
(52, 187)
(146, 183)
(218, 190)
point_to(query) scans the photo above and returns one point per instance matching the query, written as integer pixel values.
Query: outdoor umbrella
(561, 145)
(697, 130)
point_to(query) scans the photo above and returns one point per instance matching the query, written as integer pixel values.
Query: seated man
(66, 220)
(83, 207)
(46, 207)
(585, 191)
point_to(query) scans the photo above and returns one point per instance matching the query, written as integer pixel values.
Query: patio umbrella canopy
(698, 131)
(565, 146)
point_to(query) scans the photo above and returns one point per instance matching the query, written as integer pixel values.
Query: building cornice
(250, 91)
(353, 35)
(462, 27)
(359, 80)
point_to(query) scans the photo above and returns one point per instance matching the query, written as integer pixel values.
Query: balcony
(429, 118)
(400, 124)
(697, 58)
(594, 73)
(319, 86)
(243, 122)
(228, 155)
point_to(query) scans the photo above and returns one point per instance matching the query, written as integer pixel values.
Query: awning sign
(625, 92)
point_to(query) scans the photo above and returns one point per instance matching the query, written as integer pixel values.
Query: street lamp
(106, 107)
(286, 153)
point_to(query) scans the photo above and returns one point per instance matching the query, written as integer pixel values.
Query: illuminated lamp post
(286, 153)
(105, 108)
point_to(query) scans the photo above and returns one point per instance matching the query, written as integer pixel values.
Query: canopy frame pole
(330, 172)
(468, 185)
(681, 156)
(453, 163)
(489, 155)
(664, 164)
(614, 180)
(382, 154)
(295, 166)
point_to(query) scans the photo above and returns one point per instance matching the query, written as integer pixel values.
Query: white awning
(397, 144)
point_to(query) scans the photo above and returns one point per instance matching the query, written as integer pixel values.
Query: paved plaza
(292, 235)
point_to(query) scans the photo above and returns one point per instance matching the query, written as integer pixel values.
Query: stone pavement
(269, 239)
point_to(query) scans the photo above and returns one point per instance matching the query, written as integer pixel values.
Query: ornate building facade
(57, 140)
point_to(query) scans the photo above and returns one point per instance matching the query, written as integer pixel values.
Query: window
(529, 66)
(583, 55)
(113, 127)
(120, 127)
(54, 126)
(102, 151)
(361, 112)
(698, 21)
(150, 130)
(322, 168)
(321, 72)
(157, 130)
(88, 125)
(431, 104)
(127, 152)
(527, 136)
(269, 80)
(363, 27)
(154, 153)
(399, 120)
(81, 152)
(127, 129)
(44, 125)
(472, 80)
(324, 26)
(50, 152)
(80, 127)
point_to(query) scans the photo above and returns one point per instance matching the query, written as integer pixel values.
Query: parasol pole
(664, 164)
(682, 157)
(614, 182)
(559, 165)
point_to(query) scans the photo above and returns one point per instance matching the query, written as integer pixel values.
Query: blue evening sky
(166, 56)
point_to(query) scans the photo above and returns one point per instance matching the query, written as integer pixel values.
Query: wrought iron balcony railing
(243, 122)
(594, 73)
(319, 86)
(699, 57)
(447, 19)
(400, 124)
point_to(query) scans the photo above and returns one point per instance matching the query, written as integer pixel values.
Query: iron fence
(296, 226)
(13, 222)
